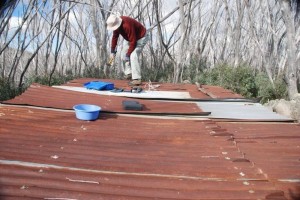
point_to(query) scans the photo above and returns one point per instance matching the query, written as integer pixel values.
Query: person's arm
(114, 41)
(113, 51)
(132, 40)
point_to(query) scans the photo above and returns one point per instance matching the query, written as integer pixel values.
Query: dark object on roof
(132, 105)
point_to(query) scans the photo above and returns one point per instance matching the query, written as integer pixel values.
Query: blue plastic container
(87, 111)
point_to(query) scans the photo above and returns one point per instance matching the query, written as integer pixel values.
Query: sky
(167, 7)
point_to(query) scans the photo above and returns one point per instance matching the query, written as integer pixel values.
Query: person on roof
(136, 37)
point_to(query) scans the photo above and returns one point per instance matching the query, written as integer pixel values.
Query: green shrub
(93, 72)
(267, 92)
(240, 79)
(7, 90)
(244, 80)
(194, 70)
(164, 74)
(56, 79)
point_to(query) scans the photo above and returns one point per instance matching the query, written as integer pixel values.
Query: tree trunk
(181, 49)
(237, 33)
(96, 30)
(291, 73)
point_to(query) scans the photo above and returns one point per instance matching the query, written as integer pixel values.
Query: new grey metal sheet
(241, 111)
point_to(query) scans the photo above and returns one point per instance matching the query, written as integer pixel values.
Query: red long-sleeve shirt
(131, 30)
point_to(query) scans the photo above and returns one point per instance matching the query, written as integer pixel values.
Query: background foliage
(243, 80)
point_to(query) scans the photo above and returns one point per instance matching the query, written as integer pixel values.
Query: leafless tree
(70, 36)
(60, 36)
(62, 16)
(292, 64)
(99, 15)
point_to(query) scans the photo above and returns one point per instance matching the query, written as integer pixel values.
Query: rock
(283, 107)
(187, 82)
(295, 108)
(287, 108)
(271, 104)
(296, 97)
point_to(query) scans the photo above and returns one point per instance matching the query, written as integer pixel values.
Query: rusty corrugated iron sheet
(44, 96)
(218, 92)
(47, 154)
(274, 148)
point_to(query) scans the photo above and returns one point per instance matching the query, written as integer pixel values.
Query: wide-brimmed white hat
(113, 22)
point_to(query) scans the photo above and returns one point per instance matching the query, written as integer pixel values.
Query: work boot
(128, 76)
(135, 82)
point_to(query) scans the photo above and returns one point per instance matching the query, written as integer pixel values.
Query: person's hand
(127, 58)
(127, 65)
(111, 59)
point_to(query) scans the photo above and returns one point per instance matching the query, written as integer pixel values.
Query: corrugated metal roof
(274, 148)
(49, 154)
(59, 156)
(44, 96)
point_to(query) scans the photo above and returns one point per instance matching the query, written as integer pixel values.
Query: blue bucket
(87, 111)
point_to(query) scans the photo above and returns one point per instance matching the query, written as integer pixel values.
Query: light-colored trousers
(134, 68)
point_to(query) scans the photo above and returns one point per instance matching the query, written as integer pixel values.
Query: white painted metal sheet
(143, 94)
